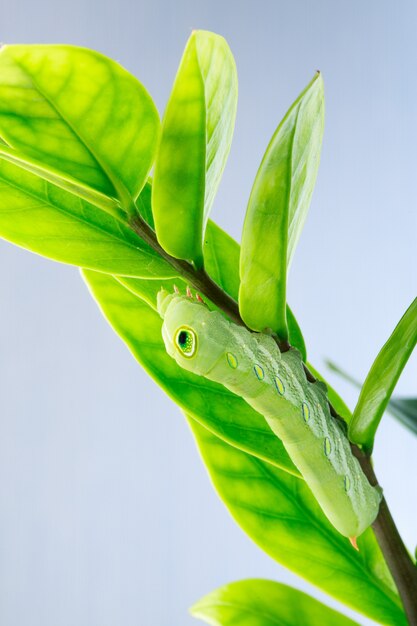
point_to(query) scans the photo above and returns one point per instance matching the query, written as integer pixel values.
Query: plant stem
(402, 568)
(198, 278)
(400, 564)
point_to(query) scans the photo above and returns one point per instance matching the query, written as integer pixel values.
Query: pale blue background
(107, 517)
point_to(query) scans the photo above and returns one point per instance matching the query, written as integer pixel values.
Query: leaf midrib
(116, 183)
(77, 217)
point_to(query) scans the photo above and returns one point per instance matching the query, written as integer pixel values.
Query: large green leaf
(63, 181)
(139, 325)
(280, 514)
(197, 132)
(258, 602)
(277, 210)
(43, 218)
(81, 113)
(382, 378)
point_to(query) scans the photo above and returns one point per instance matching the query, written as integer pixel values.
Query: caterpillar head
(190, 332)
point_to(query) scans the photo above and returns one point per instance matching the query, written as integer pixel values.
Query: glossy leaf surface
(280, 514)
(80, 112)
(277, 209)
(197, 132)
(63, 181)
(221, 254)
(382, 378)
(258, 602)
(43, 218)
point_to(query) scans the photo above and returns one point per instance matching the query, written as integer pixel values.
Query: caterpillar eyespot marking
(305, 411)
(259, 372)
(232, 360)
(279, 385)
(296, 410)
(186, 341)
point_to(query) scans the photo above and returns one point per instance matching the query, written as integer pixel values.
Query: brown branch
(400, 564)
(197, 278)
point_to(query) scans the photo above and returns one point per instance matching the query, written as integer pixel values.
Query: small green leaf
(221, 254)
(197, 132)
(277, 209)
(403, 409)
(295, 335)
(257, 602)
(81, 113)
(382, 378)
(43, 218)
(282, 517)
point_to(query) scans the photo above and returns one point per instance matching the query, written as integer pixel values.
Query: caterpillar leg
(354, 543)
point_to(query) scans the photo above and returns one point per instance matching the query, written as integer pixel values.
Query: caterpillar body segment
(274, 384)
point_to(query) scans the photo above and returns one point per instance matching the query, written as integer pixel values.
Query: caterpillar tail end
(354, 543)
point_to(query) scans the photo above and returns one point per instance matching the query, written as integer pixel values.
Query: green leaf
(295, 334)
(403, 409)
(258, 602)
(277, 209)
(221, 254)
(382, 378)
(81, 113)
(197, 133)
(137, 322)
(283, 518)
(43, 218)
(63, 181)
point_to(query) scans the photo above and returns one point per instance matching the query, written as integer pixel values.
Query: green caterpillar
(274, 384)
